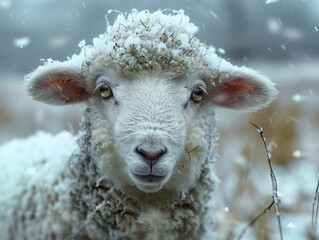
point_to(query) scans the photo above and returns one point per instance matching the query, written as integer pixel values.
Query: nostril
(150, 154)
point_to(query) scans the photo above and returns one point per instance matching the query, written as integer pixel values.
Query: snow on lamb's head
(140, 40)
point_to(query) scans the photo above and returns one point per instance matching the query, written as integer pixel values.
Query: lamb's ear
(242, 89)
(56, 83)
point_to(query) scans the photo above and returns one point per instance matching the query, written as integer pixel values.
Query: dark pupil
(198, 91)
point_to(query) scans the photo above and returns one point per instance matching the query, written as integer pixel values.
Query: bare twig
(276, 200)
(315, 209)
(254, 220)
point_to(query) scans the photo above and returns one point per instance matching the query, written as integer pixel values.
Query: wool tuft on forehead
(149, 41)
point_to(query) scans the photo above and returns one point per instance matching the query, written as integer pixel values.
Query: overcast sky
(249, 30)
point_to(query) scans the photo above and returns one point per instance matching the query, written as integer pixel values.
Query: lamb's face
(150, 130)
(151, 117)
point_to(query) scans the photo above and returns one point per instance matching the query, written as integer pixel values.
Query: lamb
(143, 165)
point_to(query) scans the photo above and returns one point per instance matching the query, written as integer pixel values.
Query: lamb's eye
(197, 94)
(105, 90)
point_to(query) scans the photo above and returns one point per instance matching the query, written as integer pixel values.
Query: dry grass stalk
(275, 197)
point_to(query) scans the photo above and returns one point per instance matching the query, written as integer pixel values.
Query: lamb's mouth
(149, 178)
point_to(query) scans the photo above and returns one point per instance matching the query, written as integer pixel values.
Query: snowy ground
(290, 127)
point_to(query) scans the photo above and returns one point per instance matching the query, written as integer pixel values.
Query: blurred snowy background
(280, 38)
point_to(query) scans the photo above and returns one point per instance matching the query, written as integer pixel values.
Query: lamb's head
(151, 99)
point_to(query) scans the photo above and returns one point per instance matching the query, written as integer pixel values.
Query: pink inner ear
(63, 88)
(233, 93)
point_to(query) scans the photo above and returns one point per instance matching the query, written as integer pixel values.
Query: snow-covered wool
(143, 165)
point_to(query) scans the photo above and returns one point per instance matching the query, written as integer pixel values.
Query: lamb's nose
(151, 154)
